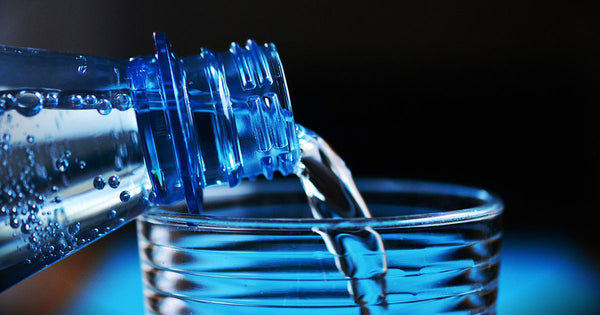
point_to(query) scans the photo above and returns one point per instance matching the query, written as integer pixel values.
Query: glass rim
(491, 207)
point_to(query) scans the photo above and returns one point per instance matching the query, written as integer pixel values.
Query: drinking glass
(257, 250)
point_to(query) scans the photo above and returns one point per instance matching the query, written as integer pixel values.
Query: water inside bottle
(62, 167)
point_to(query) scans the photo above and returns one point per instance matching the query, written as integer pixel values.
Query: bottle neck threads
(212, 118)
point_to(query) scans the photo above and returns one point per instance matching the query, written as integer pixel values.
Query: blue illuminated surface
(116, 285)
(540, 274)
(547, 274)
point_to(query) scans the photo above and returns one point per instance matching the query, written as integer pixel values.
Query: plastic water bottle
(87, 143)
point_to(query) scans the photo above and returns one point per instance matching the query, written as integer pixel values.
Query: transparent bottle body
(72, 166)
(64, 186)
(87, 143)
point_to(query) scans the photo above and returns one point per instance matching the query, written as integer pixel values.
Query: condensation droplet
(111, 214)
(7, 101)
(91, 99)
(51, 100)
(29, 103)
(14, 222)
(123, 101)
(26, 228)
(114, 181)
(82, 164)
(125, 196)
(99, 182)
(104, 107)
(39, 198)
(76, 101)
(62, 164)
(81, 64)
(34, 238)
(30, 139)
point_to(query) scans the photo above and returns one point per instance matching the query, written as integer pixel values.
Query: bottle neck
(213, 118)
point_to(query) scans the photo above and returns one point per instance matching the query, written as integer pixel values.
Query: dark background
(501, 95)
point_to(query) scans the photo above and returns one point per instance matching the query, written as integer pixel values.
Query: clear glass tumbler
(257, 250)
